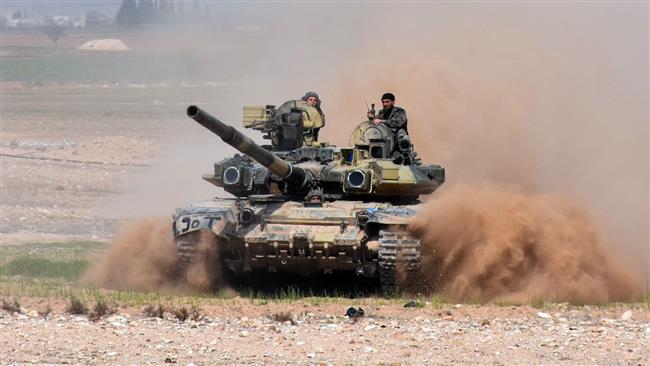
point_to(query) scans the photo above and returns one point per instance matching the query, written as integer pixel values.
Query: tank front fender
(220, 220)
(390, 216)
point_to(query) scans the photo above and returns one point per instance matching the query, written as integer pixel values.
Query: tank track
(399, 260)
(187, 247)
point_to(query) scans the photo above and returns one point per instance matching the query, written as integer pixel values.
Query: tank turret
(378, 167)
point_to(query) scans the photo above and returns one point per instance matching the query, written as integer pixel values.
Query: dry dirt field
(67, 150)
(241, 331)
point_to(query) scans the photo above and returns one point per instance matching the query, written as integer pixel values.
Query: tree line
(158, 11)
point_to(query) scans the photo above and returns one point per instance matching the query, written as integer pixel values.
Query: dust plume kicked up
(141, 257)
(489, 243)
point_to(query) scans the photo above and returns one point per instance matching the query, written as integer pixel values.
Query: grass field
(155, 55)
(41, 64)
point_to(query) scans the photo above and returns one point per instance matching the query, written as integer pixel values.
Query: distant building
(80, 21)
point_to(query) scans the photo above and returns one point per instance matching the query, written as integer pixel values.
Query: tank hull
(366, 239)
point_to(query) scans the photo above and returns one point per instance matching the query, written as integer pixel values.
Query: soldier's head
(312, 99)
(388, 100)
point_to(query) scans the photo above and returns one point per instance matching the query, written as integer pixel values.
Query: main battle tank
(306, 207)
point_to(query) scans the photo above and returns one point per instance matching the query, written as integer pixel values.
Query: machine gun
(292, 125)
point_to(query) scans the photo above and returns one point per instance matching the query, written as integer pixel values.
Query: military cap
(389, 96)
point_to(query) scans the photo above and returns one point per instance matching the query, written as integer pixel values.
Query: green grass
(52, 262)
(65, 64)
(45, 269)
(28, 266)
(55, 251)
(438, 301)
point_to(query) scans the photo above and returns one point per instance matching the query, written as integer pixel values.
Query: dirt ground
(67, 151)
(238, 332)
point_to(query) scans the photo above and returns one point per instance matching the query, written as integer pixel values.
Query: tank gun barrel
(292, 175)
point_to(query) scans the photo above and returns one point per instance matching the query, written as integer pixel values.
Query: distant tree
(128, 13)
(163, 10)
(17, 15)
(180, 10)
(146, 12)
(92, 18)
(54, 32)
(196, 9)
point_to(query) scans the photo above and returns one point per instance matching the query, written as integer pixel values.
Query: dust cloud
(491, 243)
(141, 257)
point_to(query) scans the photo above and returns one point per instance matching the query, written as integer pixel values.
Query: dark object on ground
(354, 313)
(411, 304)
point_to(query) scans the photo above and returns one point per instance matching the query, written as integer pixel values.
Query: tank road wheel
(399, 261)
(198, 260)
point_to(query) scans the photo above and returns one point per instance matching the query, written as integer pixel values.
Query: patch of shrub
(196, 314)
(100, 309)
(157, 311)
(76, 306)
(10, 306)
(282, 316)
(46, 311)
(181, 313)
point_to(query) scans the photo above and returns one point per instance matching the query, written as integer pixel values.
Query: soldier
(392, 116)
(313, 100)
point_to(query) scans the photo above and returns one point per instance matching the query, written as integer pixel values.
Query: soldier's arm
(397, 120)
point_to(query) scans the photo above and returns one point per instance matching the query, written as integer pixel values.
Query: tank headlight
(246, 216)
(231, 176)
(356, 179)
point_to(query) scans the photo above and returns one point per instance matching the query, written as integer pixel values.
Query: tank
(303, 206)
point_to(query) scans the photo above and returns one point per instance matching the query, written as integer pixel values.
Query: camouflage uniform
(395, 118)
(317, 106)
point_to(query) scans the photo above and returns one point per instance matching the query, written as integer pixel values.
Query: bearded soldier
(391, 115)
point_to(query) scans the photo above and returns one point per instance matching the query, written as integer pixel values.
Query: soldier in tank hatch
(391, 115)
(313, 100)
(394, 118)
